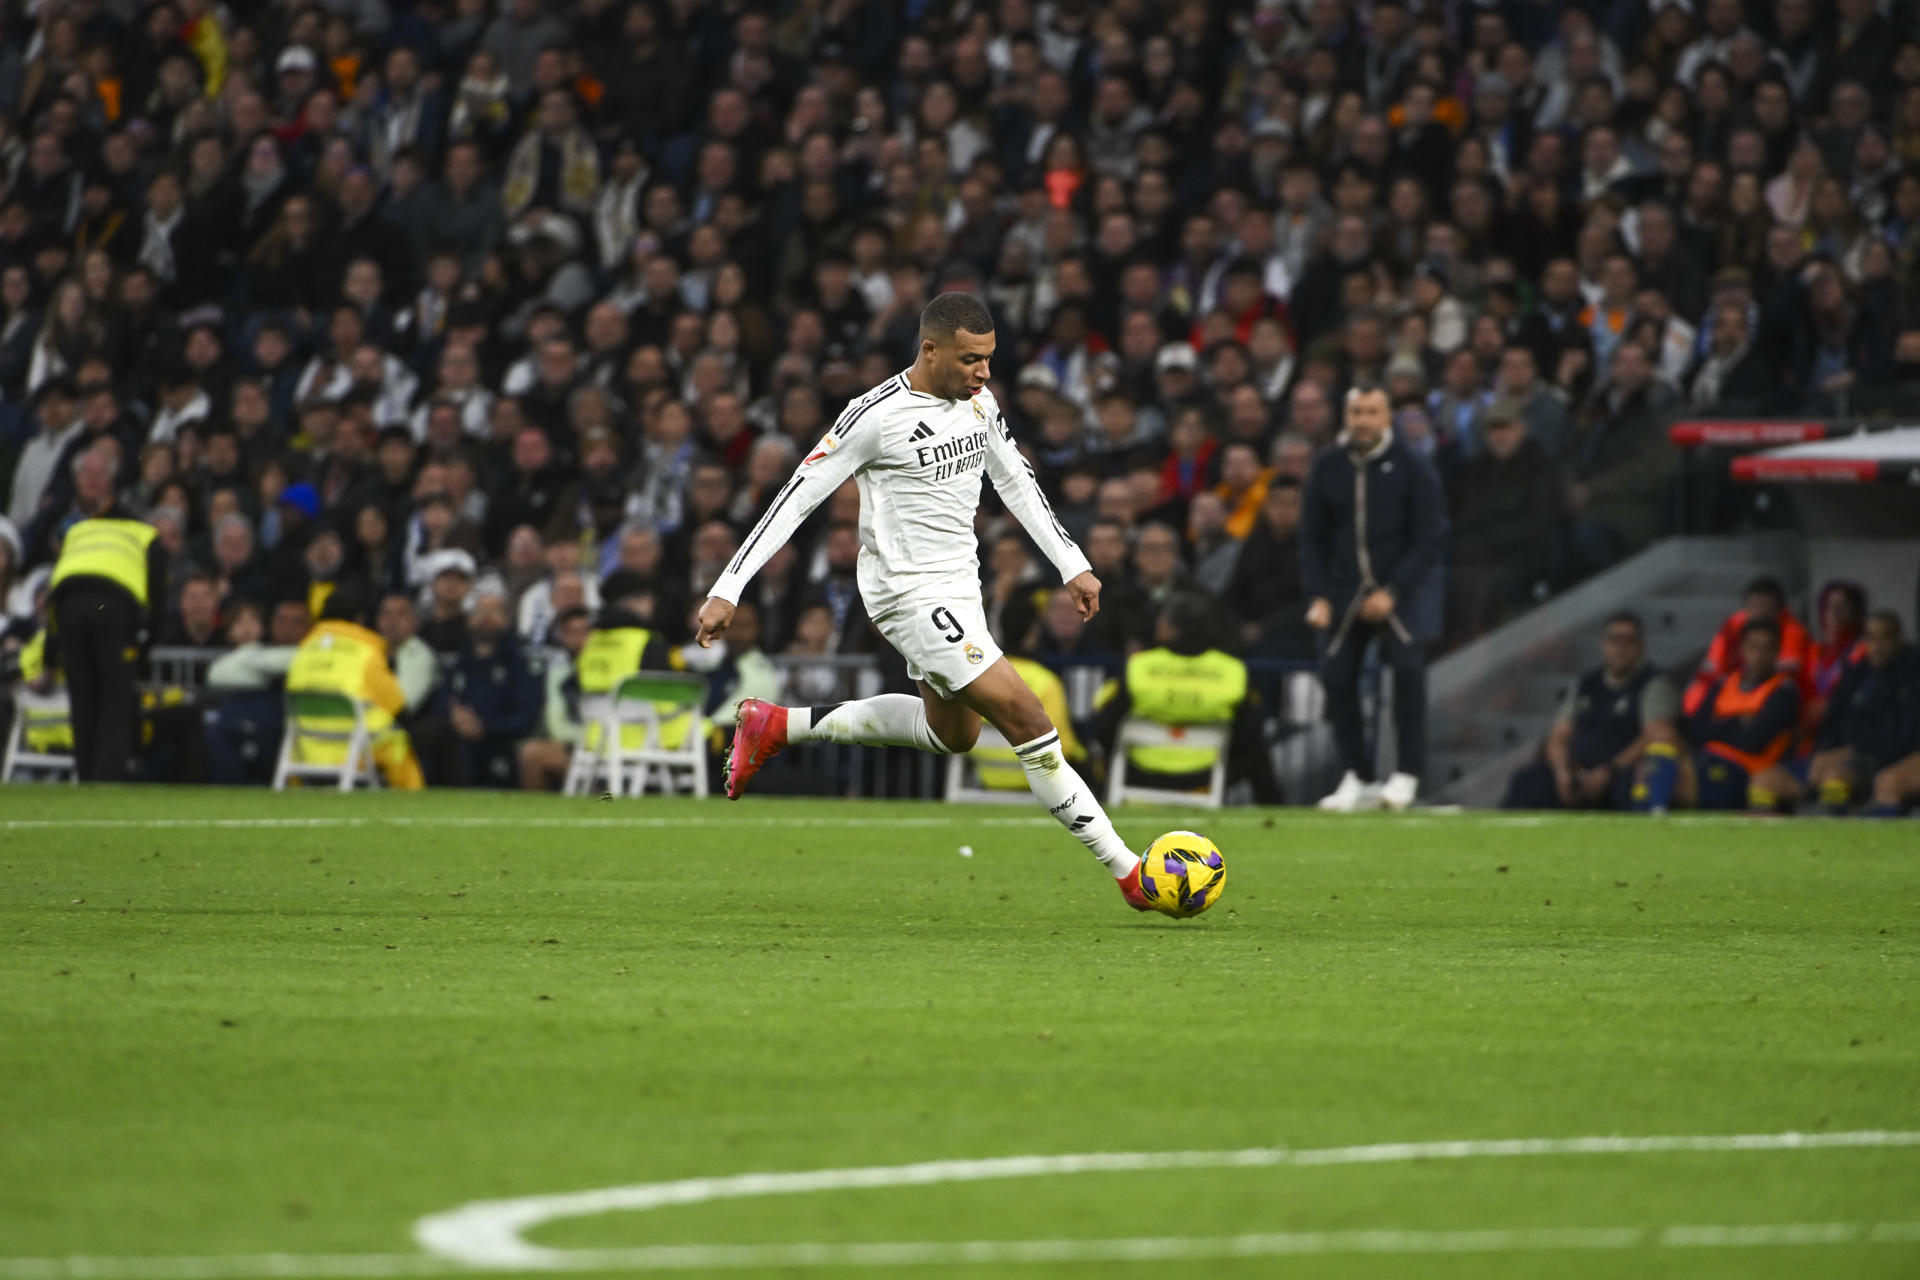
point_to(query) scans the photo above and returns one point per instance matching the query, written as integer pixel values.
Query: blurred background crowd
(472, 306)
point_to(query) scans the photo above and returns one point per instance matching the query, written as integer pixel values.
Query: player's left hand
(1085, 590)
(715, 616)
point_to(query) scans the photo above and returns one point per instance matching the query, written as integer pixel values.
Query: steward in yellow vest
(108, 587)
(341, 655)
(623, 642)
(1184, 680)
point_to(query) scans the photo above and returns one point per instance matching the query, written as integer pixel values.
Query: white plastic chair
(648, 699)
(306, 708)
(37, 713)
(1135, 732)
(963, 773)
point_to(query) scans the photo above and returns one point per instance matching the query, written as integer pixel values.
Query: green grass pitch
(236, 1024)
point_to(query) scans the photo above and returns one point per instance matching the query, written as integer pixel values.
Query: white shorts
(940, 628)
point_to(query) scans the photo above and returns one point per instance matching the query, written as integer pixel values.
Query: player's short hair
(1765, 626)
(951, 312)
(1626, 618)
(1359, 389)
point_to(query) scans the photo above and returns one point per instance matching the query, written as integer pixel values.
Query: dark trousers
(1532, 787)
(243, 737)
(1340, 675)
(97, 622)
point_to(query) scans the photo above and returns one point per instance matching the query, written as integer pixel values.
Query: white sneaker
(1351, 796)
(1397, 793)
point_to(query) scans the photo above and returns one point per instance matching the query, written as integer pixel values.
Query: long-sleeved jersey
(918, 460)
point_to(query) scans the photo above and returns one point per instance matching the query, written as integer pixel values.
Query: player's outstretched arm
(847, 447)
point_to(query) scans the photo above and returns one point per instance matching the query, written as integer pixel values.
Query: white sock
(1070, 800)
(888, 720)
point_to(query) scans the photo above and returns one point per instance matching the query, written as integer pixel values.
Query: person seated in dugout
(1185, 680)
(1763, 598)
(343, 655)
(1743, 727)
(1870, 712)
(622, 643)
(1602, 729)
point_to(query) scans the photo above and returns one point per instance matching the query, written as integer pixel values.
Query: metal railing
(1290, 692)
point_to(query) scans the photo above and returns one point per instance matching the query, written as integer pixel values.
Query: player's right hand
(1319, 615)
(716, 615)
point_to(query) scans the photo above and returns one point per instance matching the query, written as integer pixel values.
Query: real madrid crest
(978, 412)
(974, 655)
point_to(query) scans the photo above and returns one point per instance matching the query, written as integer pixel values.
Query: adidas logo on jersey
(921, 431)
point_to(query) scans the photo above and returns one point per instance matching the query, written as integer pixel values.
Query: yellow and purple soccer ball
(1183, 873)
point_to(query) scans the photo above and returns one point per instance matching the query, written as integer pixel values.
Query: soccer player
(917, 446)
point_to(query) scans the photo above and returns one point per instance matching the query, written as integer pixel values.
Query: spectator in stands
(553, 245)
(544, 758)
(243, 729)
(1265, 595)
(1621, 466)
(1741, 729)
(1763, 597)
(1505, 516)
(449, 576)
(1590, 757)
(1372, 538)
(496, 696)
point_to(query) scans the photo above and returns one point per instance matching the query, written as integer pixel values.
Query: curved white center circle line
(491, 1233)
(709, 1257)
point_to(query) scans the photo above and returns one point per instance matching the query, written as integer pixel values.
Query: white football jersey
(918, 460)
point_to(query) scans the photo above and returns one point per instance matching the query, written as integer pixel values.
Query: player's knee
(957, 739)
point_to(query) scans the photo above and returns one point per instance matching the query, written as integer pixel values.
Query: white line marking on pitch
(713, 1257)
(490, 1233)
(959, 818)
(487, 1235)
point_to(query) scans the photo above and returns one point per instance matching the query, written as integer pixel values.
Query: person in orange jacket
(1740, 731)
(1763, 598)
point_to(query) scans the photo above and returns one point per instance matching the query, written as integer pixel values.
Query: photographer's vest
(1176, 689)
(108, 548)
(1606, 719)
(610, 656)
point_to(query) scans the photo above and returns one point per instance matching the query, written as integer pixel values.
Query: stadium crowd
(487, 317)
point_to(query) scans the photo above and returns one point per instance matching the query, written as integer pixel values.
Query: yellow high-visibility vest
(346, 658)
(1178, 689)
(110, 548)
(610, 656)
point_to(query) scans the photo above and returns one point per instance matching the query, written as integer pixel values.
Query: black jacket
(1395, 498)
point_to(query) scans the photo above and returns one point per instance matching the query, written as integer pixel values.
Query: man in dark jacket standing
(1372, 537)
